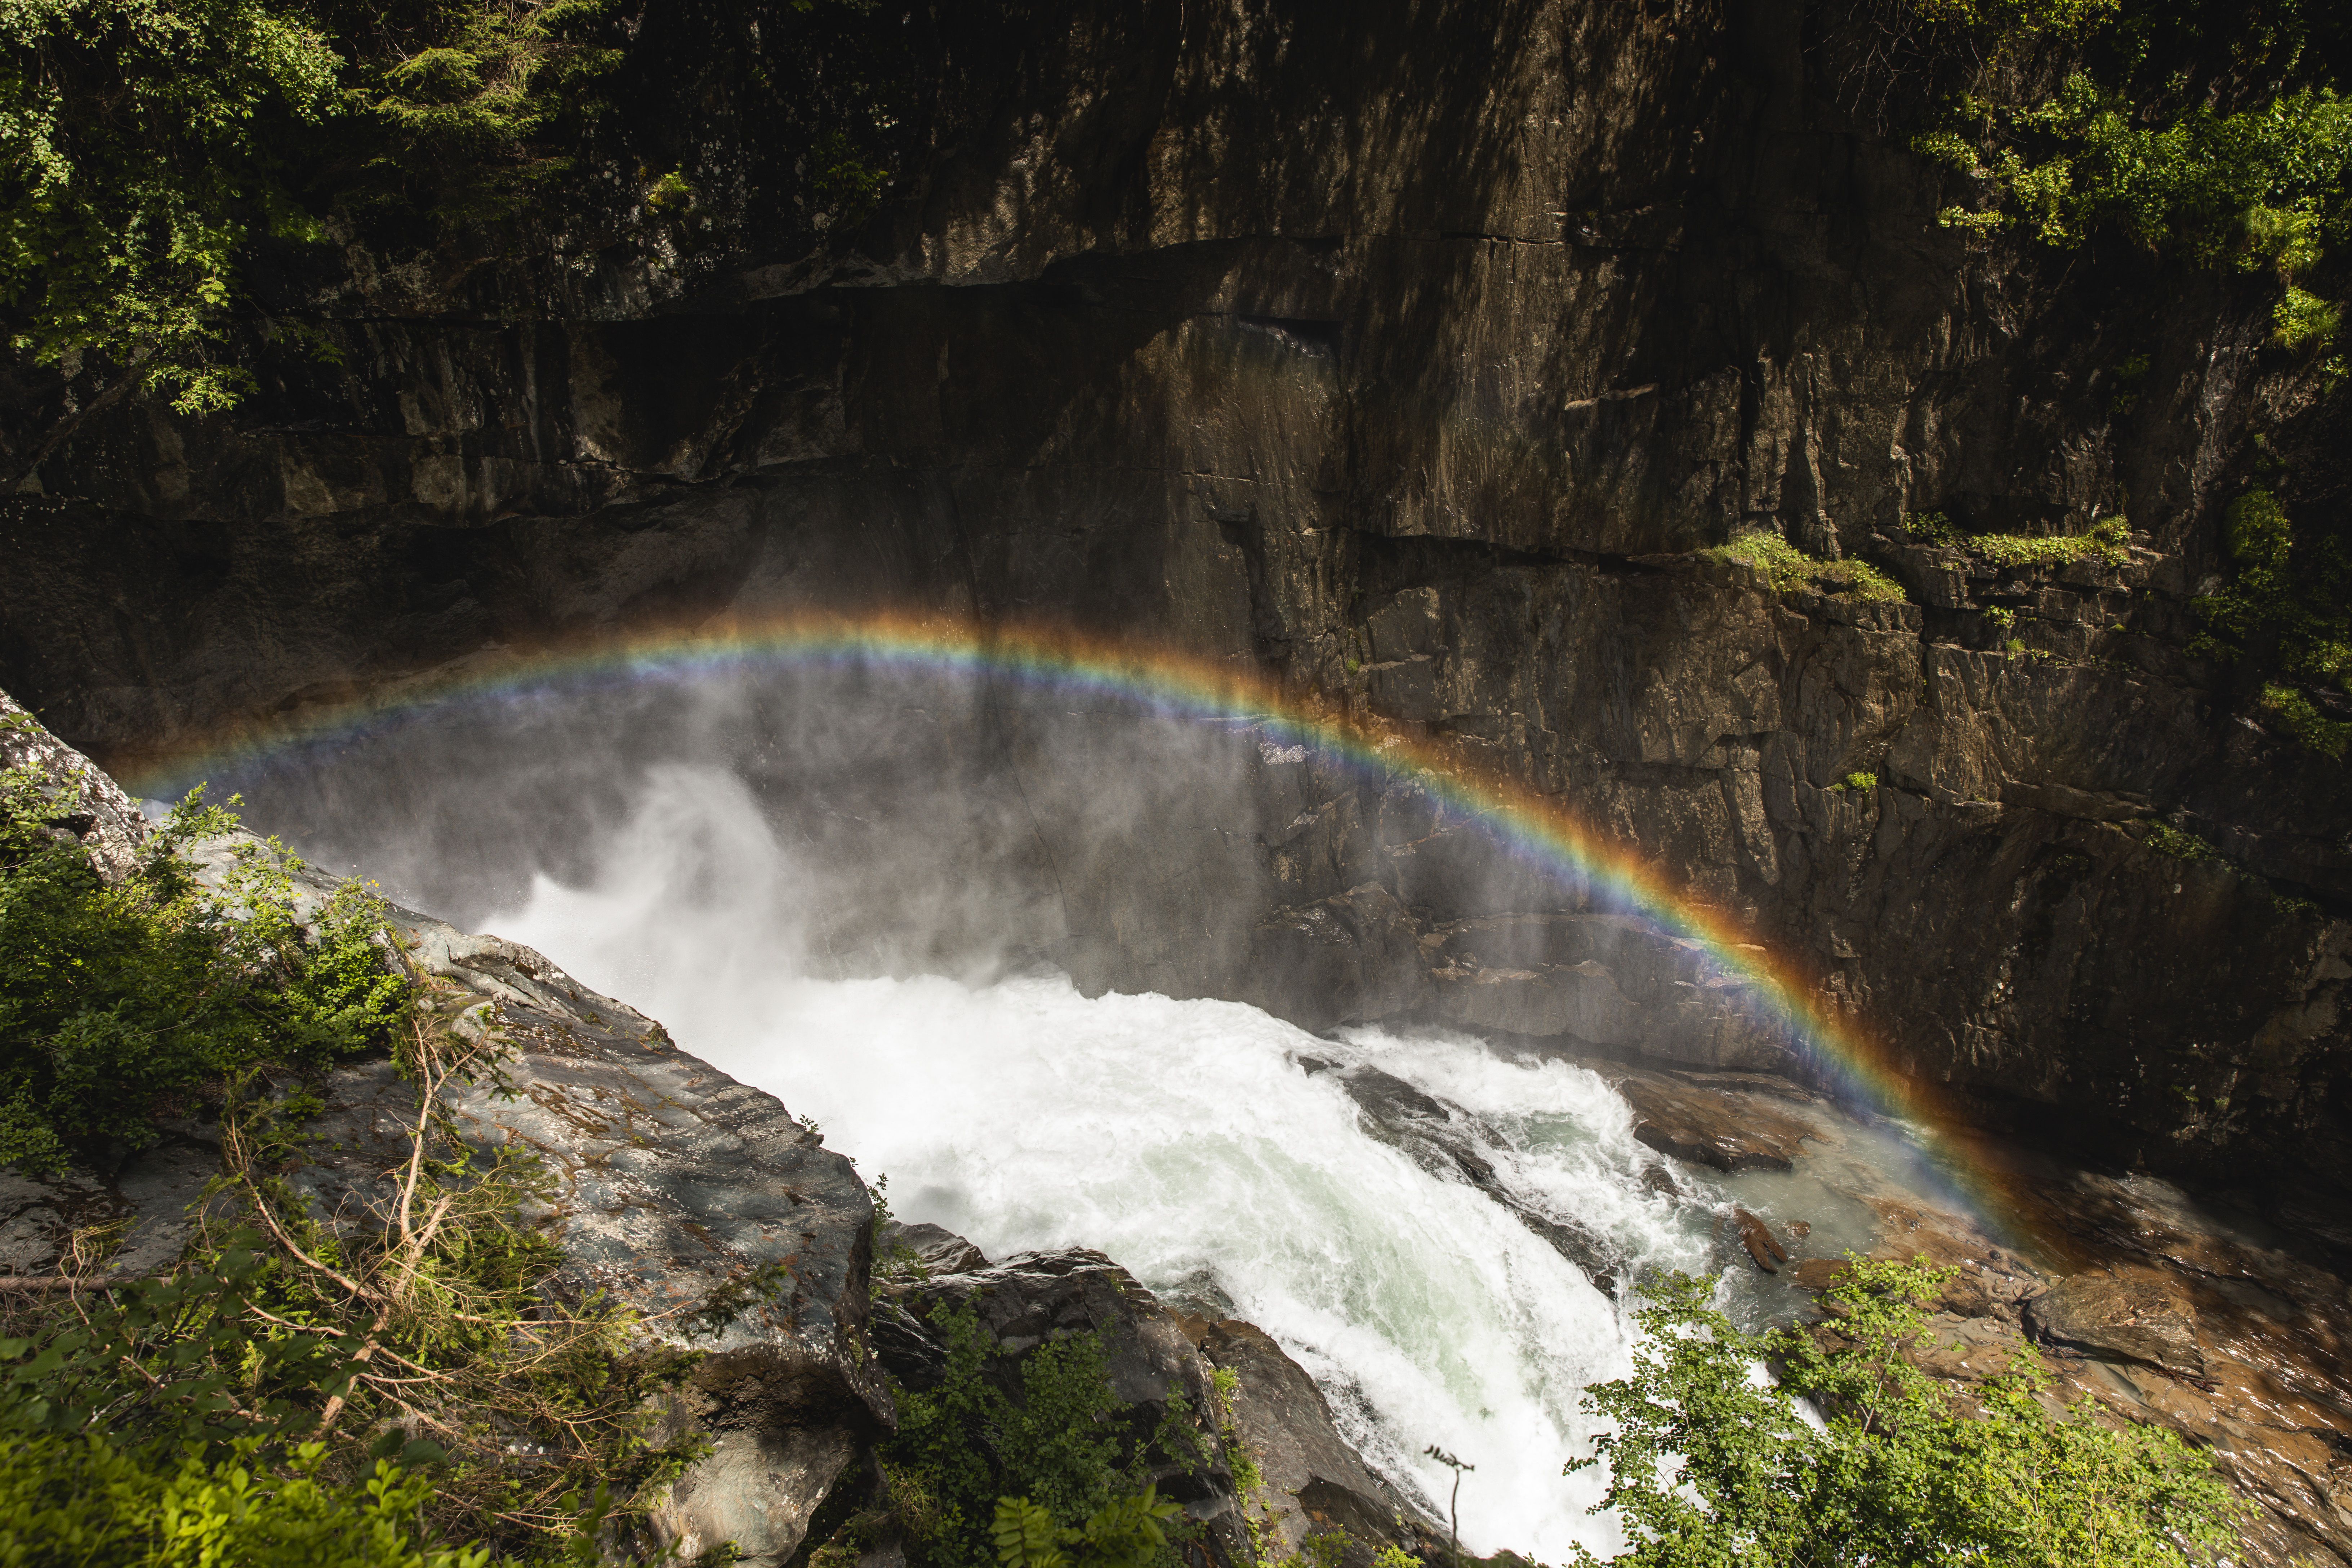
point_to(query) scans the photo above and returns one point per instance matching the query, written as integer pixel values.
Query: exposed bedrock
(1411, 351)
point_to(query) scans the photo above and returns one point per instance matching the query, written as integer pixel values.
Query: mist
(869, 895)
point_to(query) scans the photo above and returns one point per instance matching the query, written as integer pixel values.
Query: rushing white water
(1182, 1138)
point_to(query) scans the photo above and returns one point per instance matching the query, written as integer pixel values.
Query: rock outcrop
(669, 1182)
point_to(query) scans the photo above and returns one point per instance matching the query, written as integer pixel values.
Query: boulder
(1730, 1129)
(1307, 1474)
(934, 1247)
(2130, 1315)
(670, 1181)
(1032, 1299)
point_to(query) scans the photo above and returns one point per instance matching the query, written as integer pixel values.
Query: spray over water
(864, 895)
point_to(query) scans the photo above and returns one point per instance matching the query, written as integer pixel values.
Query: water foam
(1182, 1138)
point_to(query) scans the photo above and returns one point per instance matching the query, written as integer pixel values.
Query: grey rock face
(1423, 410)
(936, 1248)
(89, 806)
(672, 1180)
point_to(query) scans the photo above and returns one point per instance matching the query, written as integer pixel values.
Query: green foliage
(72, 1500)
(2288, 607)
(2214, 134)
(2311, 728)
(162, 1422)
(148, 147)
(2001, 619)
(1788, 568)
(2178, 843)
(2302, 320)
(121, 1002)
(1125, 1532)
(1055, 1443)
(1859, 782)
(140, 149)
(481, 102)
(2107, 540)
(1709, 1466)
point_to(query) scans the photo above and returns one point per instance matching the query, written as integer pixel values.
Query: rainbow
(1531, 828)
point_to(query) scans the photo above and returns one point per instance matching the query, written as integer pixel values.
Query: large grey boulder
(1310, 1479)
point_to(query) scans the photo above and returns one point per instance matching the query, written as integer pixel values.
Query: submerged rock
(1439, 1139)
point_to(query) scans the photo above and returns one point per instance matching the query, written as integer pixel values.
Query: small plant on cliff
(2287, 607)
(1788, 568)
(2178, 844)
(1709, 1466)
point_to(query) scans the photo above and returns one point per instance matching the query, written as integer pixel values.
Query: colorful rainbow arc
(1532, 827)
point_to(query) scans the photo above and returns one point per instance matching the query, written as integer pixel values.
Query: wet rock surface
(1727, 1129)
(1437, 1136)
(1310, 1480)
(2136, 1315)
(1285, 1422)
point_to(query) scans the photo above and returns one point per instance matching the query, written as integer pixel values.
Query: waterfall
(1184, 1137)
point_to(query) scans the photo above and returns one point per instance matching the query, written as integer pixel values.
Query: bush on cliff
(1056, 1444)
(125, 1002)
(1708, 1466)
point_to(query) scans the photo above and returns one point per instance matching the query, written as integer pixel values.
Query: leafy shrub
(138, 143)
(1058, 1443)
(1708, 1467)
(1126, 1532)
(2108, 539)
(1861, 783)
(149, 147)
(2312, 729)
(2302, 320)
(120, 1002)
(2287, 607)
(155, 1425)
(1788, 568)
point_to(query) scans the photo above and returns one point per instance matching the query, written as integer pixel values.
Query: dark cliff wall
(1409, 349)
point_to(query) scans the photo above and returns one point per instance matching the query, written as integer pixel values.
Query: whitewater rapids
(1183, 1137)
